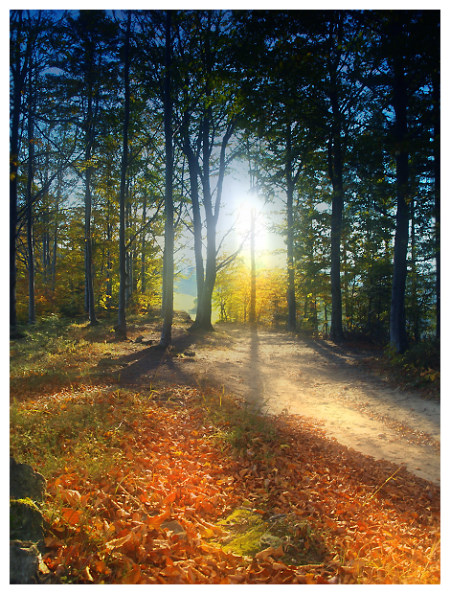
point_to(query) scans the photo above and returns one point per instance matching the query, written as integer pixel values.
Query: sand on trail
(278, 372)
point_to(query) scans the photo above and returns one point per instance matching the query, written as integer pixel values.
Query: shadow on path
(151, 359)
(255, 379)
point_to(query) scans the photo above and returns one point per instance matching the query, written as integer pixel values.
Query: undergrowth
(418, 367)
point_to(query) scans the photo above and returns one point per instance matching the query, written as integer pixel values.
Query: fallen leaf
(116, 543)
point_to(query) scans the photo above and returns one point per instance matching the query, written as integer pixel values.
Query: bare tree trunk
(437, 190)
(121, 328)
(89, 281)
(398, 338)
(196, 217)
(337, 208)
(30, 176)
(291, 300)
(168, 265)
(18, 77)
(253, 270)
(143, 246)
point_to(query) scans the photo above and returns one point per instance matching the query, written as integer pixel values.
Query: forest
(221, 220)
(126, 125)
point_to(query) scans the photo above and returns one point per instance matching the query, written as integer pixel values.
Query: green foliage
(418, 367)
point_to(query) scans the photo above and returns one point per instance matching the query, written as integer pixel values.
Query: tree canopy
(126, 128)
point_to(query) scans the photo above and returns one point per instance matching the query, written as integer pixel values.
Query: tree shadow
(255, 382)
(150, 360)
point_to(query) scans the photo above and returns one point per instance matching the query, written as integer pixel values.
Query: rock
(24, 559)
(26, 521)
(27, 490)
(25, 482)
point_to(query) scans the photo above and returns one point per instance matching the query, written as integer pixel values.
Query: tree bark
(398, 337)
(30, 176)
(89, 141)
(121, 328)
(291, 300)
(143, 246)
(18, 77)
(252, 317)
(168, 266)
(196, 216)
(290, 188)
(437, 190)
(337, 209)
(336, 175)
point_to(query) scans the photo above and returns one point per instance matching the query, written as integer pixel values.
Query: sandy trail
(319, 380)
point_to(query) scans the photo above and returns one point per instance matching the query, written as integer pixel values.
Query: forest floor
(331, 385)
(240, 456)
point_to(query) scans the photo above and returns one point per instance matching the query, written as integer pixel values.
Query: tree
(168, 266)
(121, 328)
(19, 64)
(91, 34)
(207, 121)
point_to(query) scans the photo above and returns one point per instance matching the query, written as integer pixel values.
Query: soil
(278, 372)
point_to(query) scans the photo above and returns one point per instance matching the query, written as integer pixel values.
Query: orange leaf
(115, 543)
(156, 521)
(71, 516)
(70, 496)
(100, 566)
(309, 577)
(269, 552)
(171, 497)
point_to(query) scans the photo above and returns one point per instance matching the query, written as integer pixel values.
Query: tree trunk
(335, 165)
(143, 246)
(55, 235)
(18, 78)
(253, 270)
(211, 216)
(415, 306)
(437, 190)
(337, 209)
(197, 219)
(398, 338)
(291, 300)
(121, 328)
(168, 266)
(30, 176)
(89, 281)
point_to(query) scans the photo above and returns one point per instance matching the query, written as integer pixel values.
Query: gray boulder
(25, 482)
(27, 491)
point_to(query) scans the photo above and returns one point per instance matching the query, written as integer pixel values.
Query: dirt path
(319, 380)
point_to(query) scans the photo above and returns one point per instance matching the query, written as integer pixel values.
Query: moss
(26, 523)
(246, 531)
(249, 533)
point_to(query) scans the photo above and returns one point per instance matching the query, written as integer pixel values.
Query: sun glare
(249, 206)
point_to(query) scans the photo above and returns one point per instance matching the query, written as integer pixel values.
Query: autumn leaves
(155, 513)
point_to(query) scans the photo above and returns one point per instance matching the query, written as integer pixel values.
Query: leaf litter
(182, 470)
